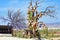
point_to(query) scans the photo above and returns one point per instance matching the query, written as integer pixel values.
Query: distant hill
(53, 25)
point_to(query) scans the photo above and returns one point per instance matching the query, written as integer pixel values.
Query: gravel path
(5, 35)
(14, 38)
(9, 37)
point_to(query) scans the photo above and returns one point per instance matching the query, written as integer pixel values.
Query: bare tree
(34, 15)
(15, 19)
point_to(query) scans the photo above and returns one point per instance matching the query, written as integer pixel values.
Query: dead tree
(34, 15)
(15, 19)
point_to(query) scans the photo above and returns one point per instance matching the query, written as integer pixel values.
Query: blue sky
(23, 4)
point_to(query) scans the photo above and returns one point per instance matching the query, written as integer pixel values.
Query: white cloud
(8, 8)
(3, 9)
(13, 2)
